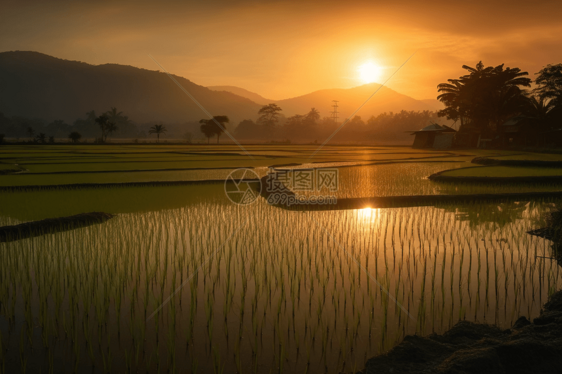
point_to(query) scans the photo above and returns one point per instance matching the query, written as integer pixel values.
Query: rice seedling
(277, 296)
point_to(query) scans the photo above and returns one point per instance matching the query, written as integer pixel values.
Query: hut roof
(435, 128)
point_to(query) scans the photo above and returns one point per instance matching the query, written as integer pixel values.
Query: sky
(283, 49)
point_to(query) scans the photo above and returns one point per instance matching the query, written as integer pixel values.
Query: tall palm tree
(114, 115)
(485, 97)
(157, 129)
(538, 107)
(102, 122)
(111, 128)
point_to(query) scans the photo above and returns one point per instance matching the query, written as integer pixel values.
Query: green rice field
(182, 280)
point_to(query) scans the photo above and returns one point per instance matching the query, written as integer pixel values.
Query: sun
(369, 72)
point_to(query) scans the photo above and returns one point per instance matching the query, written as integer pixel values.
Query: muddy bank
(528, 347)
(51, 225)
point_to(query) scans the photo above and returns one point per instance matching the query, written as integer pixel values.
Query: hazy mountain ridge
(256, 98)
(35, 85)
(40, 86)
(350, 99)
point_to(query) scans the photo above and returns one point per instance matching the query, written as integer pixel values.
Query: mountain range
(36, 85)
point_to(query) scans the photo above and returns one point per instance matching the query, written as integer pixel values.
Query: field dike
(404, 201)
(51, 225)
(499, 162)
(528, 347)
(476, 348)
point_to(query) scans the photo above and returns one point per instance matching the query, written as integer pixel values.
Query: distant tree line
(310, 127)
(271, 126)
(110, 124)
(495, 103)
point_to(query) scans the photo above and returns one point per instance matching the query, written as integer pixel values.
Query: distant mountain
(36, 85)
(386, 100)
(256, 98)
(350, 99)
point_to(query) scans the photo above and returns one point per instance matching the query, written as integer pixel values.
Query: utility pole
(335, 110)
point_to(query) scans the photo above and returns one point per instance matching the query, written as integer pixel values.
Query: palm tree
(106, 126)
(114, 115)
(538, 107)
(157, 129)
(74, 136)
(102, 122)
(485, 97)
(111, 128)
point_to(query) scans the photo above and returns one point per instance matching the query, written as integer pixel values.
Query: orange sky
(282, 49)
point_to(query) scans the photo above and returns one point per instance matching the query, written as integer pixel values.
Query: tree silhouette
(74, 136)
(102, 122)
(157, 129)
(484, 98)
(207, 130)
(268, 115)
(91, 116)
(111, 128)
(106, 126)
(2, 138)
(215, 126)
(30, 132)
(51, 139)
(122, 122)
(549, 82)
(313, 115)
(41, 138)
(114, 115)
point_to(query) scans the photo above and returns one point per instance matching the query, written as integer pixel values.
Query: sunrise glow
(369, 72)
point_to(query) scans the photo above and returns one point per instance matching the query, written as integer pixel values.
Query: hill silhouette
(386, 100)
(256, 98)
(36, 85)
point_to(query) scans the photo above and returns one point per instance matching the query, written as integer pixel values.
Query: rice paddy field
(182, 280)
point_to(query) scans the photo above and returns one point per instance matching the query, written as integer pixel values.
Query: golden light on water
(367, 214)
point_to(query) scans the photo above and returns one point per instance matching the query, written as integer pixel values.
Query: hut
(434, 136)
